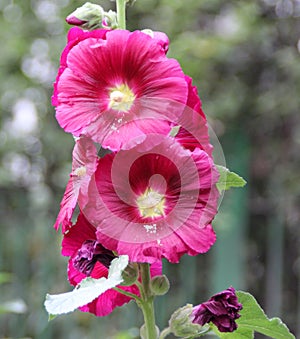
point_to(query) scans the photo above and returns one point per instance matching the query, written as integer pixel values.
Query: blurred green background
(244, 58)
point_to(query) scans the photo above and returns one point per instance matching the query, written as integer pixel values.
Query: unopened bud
(130, 274)
(160, 285)
(181, 323)
(88, 16)
(109, 20)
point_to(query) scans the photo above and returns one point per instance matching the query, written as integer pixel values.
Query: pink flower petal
(75, 35)
(194, 129)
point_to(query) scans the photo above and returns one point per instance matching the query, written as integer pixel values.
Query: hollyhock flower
(83, 167)
(194, 129)
(221, 309)
(118, 87)
(156, 200)
(89, 258)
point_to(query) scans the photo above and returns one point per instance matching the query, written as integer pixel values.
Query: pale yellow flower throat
(151, 204)
(121, 98)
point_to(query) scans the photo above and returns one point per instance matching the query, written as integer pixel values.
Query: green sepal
(228, 179)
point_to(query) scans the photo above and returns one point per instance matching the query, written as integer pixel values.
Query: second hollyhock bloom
(89, 258)
(156, 200)
(118, 86)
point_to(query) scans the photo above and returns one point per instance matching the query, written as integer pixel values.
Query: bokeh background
(244, 58)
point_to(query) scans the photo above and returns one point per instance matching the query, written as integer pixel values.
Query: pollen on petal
(80, 171)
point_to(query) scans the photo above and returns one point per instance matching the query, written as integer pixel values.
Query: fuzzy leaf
(88, 290)
(253, 319)
(240, 333)
(228, 179)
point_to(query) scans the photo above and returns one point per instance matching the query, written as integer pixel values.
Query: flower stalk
(121, 13)
(164, 333)
(146, 303)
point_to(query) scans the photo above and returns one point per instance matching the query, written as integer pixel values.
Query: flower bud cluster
(92, 16)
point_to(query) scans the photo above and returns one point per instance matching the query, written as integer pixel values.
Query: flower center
(151, 204)
(121, 98)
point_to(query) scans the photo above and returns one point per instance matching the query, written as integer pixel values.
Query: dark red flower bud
(221, 309)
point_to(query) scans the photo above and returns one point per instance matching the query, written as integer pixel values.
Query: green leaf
(253, 319)
(88, 290)
(228, 179)
(240, 333)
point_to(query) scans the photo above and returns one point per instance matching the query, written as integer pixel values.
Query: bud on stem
(159, 285)
(130, 274)
(88, 16)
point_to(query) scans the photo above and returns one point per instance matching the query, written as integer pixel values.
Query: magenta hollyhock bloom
(221, 309)
(118, 87)
(156, 200)
(194, 129)
(83, 167)
(89, 258)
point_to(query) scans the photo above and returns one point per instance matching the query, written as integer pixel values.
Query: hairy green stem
(121, 13)
(146, 304)
(128, 294)
(165, 333)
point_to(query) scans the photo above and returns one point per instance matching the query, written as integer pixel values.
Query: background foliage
(244, 58)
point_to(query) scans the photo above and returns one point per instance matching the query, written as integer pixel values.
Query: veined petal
(155, 200)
